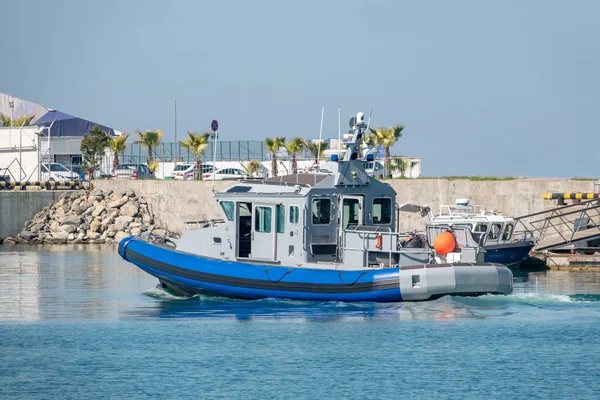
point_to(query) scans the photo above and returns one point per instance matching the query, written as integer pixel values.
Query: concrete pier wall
(174, 202)
(17, 207)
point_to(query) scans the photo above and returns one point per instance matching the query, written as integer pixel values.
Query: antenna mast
(320, 136)
(369, 121)
(339, 130)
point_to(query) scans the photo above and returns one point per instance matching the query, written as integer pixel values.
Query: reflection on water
(70, 281)
(93, 282)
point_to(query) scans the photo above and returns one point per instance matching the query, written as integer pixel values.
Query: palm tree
(117, 145)
(197, 144)
(273, 145)
(149, 139)
(153, 166)
(403, 165)
(316, 149)
(253, 167)
(386, 137)
(24, 120)
(294, 147)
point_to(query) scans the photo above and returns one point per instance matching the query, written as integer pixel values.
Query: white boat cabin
(487, 226)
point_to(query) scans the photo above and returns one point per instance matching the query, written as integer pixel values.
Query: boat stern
(427, 282)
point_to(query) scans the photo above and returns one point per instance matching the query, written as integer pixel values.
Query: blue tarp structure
(68, 125)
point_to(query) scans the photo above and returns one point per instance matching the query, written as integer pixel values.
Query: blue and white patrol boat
(323, 236)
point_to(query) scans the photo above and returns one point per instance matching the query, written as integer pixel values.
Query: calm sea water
(78, 322)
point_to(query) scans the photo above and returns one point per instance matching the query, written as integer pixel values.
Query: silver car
(133, 171)
(226, 173)
(57, 172)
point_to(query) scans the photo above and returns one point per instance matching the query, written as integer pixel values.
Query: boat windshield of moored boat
(320, 236)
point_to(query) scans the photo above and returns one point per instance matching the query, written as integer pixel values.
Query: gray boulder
(118, 203)
(130, 209)
(36, 227)
(122, 222)
(60, 237)
(69, 228)
(27, 235)
(9, 240)
(71, 220)
(98, 210)
(92, 235)
(94, 226)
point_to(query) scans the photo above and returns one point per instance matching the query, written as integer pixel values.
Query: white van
(185, 171)
(374, 169)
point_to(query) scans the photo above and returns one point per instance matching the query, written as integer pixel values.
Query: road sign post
(214, 127)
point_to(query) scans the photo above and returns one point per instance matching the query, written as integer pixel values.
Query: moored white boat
(493, 231)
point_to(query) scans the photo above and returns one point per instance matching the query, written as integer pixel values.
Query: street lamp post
(11, 104)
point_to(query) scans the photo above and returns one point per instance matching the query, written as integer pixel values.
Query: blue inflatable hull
(509, 254)
(191, 274)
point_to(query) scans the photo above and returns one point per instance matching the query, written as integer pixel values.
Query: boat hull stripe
(282, 285)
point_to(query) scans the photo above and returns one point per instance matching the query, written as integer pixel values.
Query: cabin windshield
(481, 228)
(495, 232)
(382, 210)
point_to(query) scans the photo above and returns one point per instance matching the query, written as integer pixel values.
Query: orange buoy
(378, 242)
(444, 243)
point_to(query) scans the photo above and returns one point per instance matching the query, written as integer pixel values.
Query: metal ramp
(562, 226)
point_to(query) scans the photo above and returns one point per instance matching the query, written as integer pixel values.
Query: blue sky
(483, 87)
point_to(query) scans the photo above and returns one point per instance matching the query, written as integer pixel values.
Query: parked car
(374, 169)
(226, 173)
(186, 171)
(57, 172)
(78, 170)
(133, 171)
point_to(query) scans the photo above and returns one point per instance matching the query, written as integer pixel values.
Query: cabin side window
(280, 218)
(481, 228)
(495, 231)
(508, 231)
(228, 208)
(321, 211)
(262, 219)
(382, 210)
(294, 215)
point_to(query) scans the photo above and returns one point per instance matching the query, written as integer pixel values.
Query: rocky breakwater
(90, 217)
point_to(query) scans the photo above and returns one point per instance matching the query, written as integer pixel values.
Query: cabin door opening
(263, 232)
(351, 211)
(244, 231)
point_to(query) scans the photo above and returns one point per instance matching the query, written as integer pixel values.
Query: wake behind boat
(323, 236)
